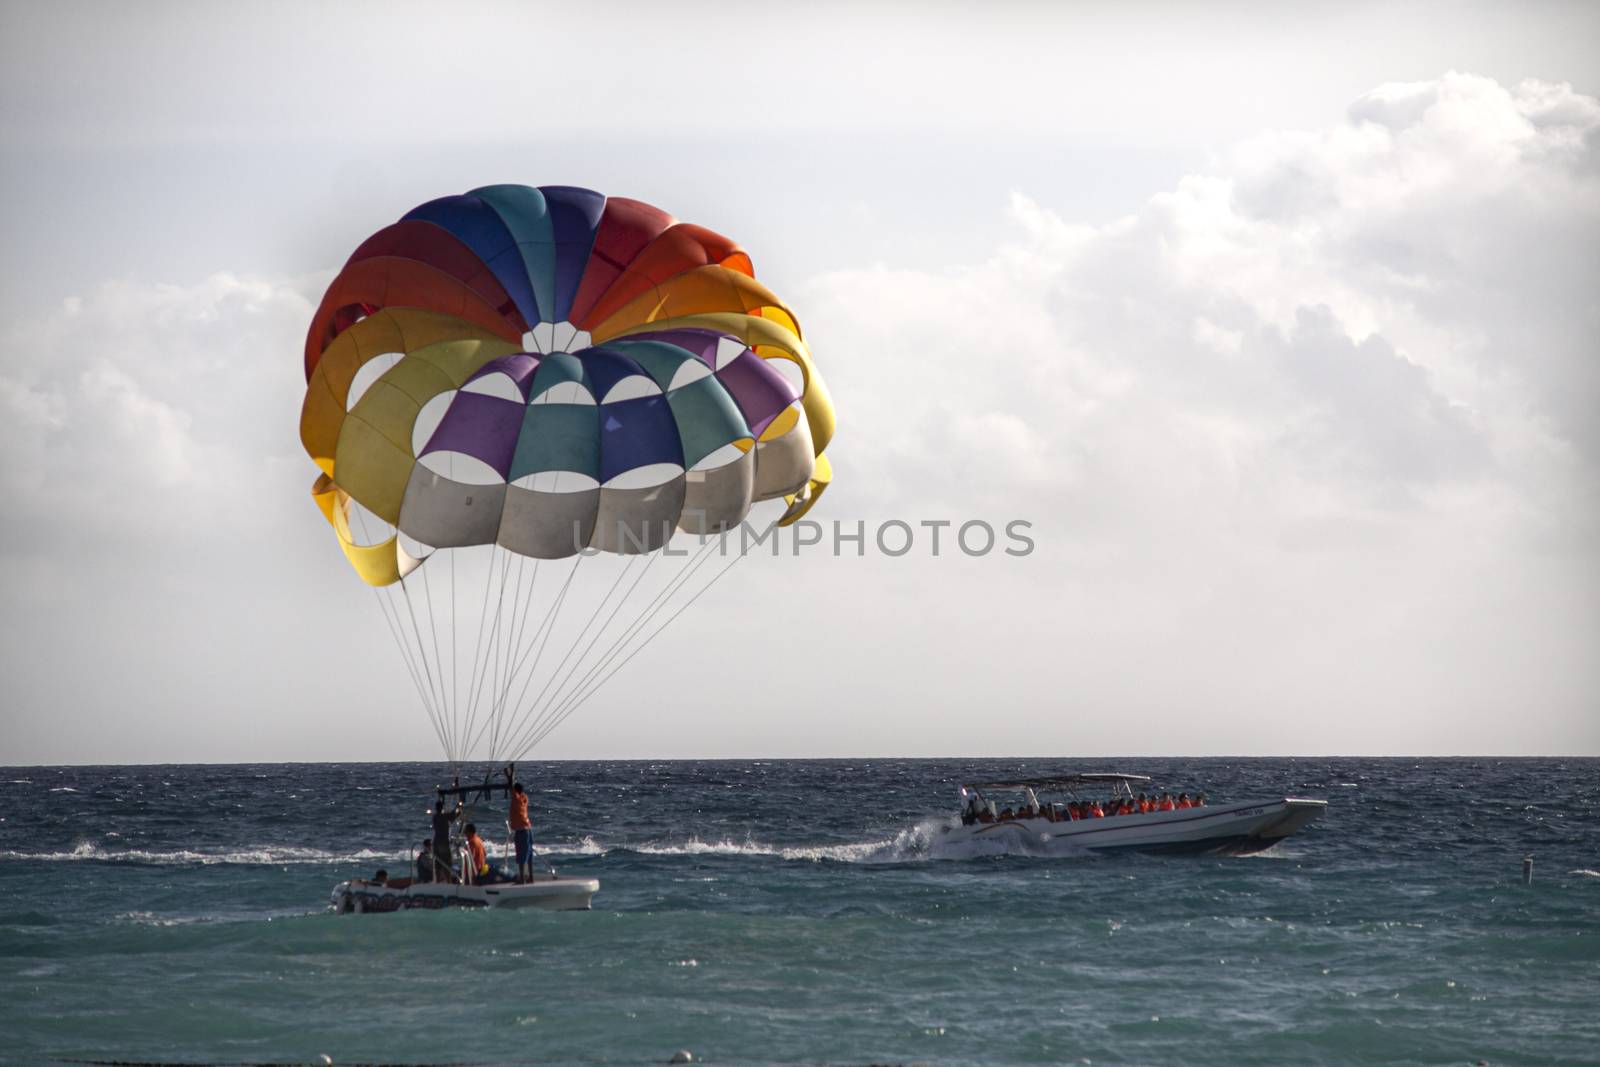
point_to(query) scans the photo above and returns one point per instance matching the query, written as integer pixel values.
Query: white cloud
(1343, 307)
(132, 411)
(1316, 426)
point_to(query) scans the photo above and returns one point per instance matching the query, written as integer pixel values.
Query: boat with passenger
(549, 891)
(455, 870)
(1102, 812)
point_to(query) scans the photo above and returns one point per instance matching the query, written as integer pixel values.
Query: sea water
(786, 912)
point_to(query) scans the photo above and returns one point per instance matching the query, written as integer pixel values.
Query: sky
(1277, 323)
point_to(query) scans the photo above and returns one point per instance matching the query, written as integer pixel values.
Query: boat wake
(920, 842)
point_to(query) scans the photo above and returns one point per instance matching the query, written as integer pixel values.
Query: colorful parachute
(546, 371)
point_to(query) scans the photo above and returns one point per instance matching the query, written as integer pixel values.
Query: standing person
(441, 839)
(425, 862)
(522, 831)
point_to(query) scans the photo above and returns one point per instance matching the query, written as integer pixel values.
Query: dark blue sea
(793, 912)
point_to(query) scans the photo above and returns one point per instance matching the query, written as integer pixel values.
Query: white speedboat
(547, 891)
(1084, 818)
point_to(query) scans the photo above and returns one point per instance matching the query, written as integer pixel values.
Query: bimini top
(1059, 781)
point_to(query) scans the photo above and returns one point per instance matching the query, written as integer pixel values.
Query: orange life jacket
(1167, 805)
(1185, 803)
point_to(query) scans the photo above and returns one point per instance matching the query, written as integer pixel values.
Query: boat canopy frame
(1061, 783)
(507, 776)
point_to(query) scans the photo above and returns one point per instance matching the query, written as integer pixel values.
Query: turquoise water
(789, 912)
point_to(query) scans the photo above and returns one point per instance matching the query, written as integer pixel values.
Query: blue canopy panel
(637, 433)
(527, 218)
(474, 222)
(574, 218)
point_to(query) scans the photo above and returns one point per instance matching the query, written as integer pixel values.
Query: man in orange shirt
(479, 859)
(522, 830)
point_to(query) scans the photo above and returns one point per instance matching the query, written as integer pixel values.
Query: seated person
(1030, 806)
(1166, 803)
(481, 873)
(1184, 801)
(380, 879)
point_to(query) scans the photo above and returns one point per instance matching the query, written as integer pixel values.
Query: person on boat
(1167, 803)
(1096, 811)
(1143, 804)
(1199, 800)
(1184, 801)
(478, 856)
(381, 878)
(522, 832)
(442, 821)
(425, 862)
(1030, 806)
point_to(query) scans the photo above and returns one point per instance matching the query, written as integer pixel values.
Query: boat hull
(548, 894)
(1221, 830)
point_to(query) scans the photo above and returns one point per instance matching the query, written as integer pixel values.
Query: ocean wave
(915, 843)
(694, 846)
(1584, 872)
(250, 855)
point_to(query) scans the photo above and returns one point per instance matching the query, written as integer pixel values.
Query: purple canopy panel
(760, 391)
(518, 366)
(484, 427)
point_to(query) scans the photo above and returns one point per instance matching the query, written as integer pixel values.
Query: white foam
(273, 855)
(912, 844)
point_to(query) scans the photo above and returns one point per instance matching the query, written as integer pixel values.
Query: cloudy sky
(1278, 322)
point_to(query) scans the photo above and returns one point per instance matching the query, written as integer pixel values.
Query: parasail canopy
(546, 372)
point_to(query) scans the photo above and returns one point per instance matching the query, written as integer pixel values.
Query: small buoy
(1527, 870)
(683, 1055)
